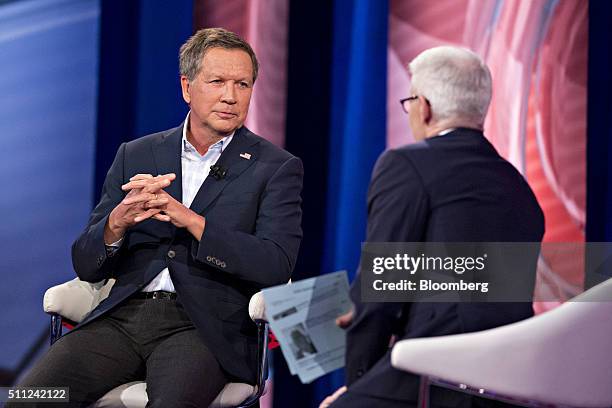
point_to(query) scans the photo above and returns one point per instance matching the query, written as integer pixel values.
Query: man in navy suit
(450, 186)
(192, 222)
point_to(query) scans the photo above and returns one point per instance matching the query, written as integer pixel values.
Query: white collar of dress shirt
(185, 143)
(446, 131)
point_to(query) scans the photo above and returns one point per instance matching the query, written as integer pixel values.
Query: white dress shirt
(195, 168)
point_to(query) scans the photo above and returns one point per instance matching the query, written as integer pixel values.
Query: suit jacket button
(100, 260)
(359, 373)
(209, 258)
(171, 254)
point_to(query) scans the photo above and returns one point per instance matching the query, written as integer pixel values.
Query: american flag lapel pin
(245, 156)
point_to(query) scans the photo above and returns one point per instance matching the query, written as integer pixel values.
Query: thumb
(343, 321)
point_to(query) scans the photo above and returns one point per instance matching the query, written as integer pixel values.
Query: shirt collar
(446, 131)
(187, 146)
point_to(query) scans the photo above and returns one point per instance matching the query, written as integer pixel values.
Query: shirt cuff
(111, 249)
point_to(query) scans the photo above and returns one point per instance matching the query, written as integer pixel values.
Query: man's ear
(185, 89)
(425, 110)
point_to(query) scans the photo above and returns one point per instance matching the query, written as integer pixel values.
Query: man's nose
(229, 93)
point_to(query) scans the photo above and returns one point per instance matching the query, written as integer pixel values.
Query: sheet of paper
(302, 316)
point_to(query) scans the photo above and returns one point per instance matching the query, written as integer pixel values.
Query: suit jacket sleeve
(397, 212)
(89, 257)
(267, 256)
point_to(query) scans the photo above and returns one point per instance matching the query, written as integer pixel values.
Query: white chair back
(563, 356)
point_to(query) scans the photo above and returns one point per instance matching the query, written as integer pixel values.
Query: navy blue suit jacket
(451, 188)
(251, 239)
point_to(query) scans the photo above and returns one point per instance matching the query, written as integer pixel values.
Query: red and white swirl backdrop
(537, 52)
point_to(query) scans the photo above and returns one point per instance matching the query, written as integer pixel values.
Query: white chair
(561, 357)
(71, 301)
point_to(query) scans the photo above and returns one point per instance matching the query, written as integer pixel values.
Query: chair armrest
(561, 357)
(257, 307)
(74, 299)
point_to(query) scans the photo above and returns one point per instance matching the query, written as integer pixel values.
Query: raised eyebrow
(220, 77)
(214, 76)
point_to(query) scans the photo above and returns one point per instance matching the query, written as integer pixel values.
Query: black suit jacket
(251, 239)
(451, 188)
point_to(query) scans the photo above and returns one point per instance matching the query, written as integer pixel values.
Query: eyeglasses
(406, 102)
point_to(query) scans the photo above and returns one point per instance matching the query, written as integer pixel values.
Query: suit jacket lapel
(167, 153)
(236, 158)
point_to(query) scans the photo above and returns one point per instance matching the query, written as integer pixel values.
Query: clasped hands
(146, 199)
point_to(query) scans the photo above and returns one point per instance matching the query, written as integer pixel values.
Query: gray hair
(455, 81)
(193, 51)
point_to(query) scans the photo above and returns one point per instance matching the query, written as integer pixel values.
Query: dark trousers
(152, 340)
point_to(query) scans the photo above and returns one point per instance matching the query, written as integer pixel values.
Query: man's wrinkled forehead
(220, 61)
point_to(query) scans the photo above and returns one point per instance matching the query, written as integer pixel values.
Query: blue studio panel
(48, 87)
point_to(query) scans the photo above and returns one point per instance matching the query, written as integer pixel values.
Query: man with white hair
(456, 82)
(450, 186)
